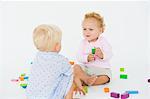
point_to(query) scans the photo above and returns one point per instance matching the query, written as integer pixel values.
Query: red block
(125, 96)
(114, 95)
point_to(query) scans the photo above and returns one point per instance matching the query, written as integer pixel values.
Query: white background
(126, 30)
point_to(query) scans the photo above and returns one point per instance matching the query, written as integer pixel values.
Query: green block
(93, 50)
(121, 69)
(23, 74)
(85, 89)
(123, 76)
(23, 84)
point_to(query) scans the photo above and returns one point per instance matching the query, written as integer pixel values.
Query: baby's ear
(58, 47)
(101, 30)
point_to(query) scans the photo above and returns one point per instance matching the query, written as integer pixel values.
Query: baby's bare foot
(91, 80)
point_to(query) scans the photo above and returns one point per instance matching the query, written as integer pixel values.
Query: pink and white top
(86, 48)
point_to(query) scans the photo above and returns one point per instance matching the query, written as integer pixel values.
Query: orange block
(106, 90)
(71, 62)
(21, 78)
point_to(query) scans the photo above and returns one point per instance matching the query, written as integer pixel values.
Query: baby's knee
(76, 68)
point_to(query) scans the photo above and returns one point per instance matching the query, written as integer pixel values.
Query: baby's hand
(78, 86)
(90, 57)
(99, 53)
(80, 90)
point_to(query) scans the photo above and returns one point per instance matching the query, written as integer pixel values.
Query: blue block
(132, 92)
(26, 77)
(24, 87)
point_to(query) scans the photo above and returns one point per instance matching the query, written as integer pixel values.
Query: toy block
(93, 50)
(122, 69)
(149, 80)
(75, 87)
(125, 96)
(23, 74)
(23, 85)
(26, 77)
(14, 80)
(106, 90)
(85, 89)
(71, 62)
(21, 78)
(132, 92)
(114, 95)
(123, 76)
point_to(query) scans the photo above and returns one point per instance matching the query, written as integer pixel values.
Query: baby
(51, 74)
(94, 53)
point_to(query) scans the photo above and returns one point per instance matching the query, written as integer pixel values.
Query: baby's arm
(105, 51)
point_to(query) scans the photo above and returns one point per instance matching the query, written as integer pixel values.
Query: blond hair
(98, 17)
(46, 36)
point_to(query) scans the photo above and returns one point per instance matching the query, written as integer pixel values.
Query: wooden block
(132, 92)
(123, 76)
(23, 74)
(21, 78)
(114, 95)
(23, 85)
(26, 77)
(14, 80)
(149, 80)
(122, 69)
(125, 96)
(71, 62)
(93, 50)
(106, 90)
(85, 89)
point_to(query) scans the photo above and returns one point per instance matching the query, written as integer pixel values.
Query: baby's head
(93, 25)
(47, 38)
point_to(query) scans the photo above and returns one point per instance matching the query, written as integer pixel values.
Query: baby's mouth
(87, 35)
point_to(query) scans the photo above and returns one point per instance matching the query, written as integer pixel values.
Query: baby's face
(91, 29)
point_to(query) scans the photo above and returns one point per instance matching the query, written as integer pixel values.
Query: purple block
(125, 96)
(149, 80)
(114, 94)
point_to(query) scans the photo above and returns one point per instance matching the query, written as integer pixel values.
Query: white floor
(120, 86)
(95, 92)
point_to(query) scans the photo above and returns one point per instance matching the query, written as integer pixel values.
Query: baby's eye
(84, 28)
(91, 29)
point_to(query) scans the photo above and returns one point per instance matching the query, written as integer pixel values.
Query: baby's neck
(94, 40)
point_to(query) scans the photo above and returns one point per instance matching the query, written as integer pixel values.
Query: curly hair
(98, 17)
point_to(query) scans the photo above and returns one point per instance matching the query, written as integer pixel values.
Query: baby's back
(46, 73)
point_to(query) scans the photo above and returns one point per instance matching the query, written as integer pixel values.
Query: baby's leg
(79, 73)
(99, 75)
(70, 92)
(99, 80)
(78, 82)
